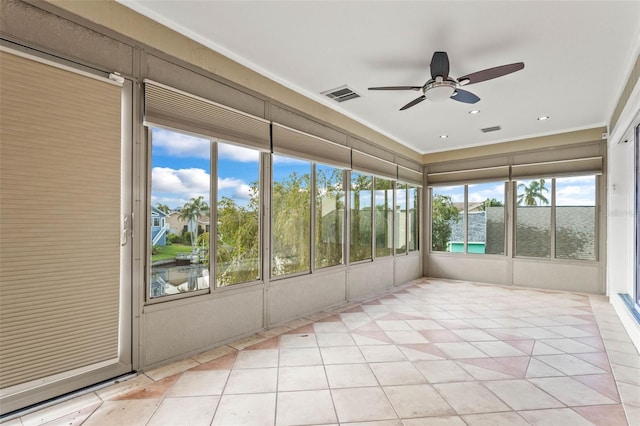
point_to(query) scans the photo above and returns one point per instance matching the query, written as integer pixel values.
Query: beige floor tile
(192, 411)
(417, 401)
(557, 416)
(569, 346)
(199, 383)
(442, 371)
(622, 358)
(298, 341)
(295, 357)
(470, 398)
(171, 369)
(460, 350)
(129, 412)
(495, 419)
(216, 353)
(362, 404)
(397, 373)
(571, 392)
(305, 407)
(253, 380)
(626, 374)
(406, 337)
(335, 339)
(382, 353)
(376, 423)
(260, 358)
(329, 327)
(498, 349)
(76, 418)
(473, 335)
(124, 387)
(630, 394)
(570, 365)
(341, 355)
(435, 421)
(251, 409)
(302, 378)
(350, 376)
(522, 395)
(60, 410)
(391, 325)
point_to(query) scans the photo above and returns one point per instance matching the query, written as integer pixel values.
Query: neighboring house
(177, 226)
(159, 227)
(477, 230)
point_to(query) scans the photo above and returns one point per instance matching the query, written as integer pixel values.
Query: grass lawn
(169, 252)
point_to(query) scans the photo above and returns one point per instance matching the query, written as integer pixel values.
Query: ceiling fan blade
(490, 73)
(464, 96)
(416, 101)
(396, 88)
(440, 65)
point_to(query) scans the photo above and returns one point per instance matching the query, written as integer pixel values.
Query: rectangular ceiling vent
(341, 94)
(491, 129)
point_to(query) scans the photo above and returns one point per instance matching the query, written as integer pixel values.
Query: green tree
(443, 214)
(191, 211)
(163, 208)
(291, 223)
(532, 193)
(361, 217)
(490, 202)
(329, 214)
(238, 240)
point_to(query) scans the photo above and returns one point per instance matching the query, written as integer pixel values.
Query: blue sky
(181, 169)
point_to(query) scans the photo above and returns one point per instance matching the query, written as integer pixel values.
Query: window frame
(213, 288)
(465, 219)
(553, 221)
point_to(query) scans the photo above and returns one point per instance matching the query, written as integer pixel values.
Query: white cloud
(186, 182)
(237, 153)
(180, 145)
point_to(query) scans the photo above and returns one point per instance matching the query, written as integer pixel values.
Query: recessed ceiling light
(543, 117)
(444, 136)
(474, 111)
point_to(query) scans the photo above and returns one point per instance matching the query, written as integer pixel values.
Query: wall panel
(370, 278)
(294, 297)
(179, 329)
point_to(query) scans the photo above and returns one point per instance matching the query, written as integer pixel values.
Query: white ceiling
(577, 56)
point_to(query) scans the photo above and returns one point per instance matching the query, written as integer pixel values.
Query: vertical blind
(60, 179)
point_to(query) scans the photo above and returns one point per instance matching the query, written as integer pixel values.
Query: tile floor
(432, 352)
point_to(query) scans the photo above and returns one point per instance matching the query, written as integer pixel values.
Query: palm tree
(163, 208)
(191, 211)
(532, 193)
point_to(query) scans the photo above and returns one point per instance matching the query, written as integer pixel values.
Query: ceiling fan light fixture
(437, 92)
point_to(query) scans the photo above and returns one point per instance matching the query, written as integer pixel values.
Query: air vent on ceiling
(341, 94)
(491, 129)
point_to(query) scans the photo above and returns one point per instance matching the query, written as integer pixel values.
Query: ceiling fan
(441, 86)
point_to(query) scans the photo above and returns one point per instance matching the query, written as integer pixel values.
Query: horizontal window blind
(369, 164)
(409, 176)
(59, 219)
(168, 107)
(471, 175)
(574, 167)
(293, 142)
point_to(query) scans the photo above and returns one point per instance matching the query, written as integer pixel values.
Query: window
(238, 215)
(447, 222)
(180, 182)
(413, 214)
(384, 216)
(329, 216)
(575, 217)
(156, 222)
(469, 218)
(291, 216)
(401, 218)
(556, 217)
(486, 218)
(361, 217)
